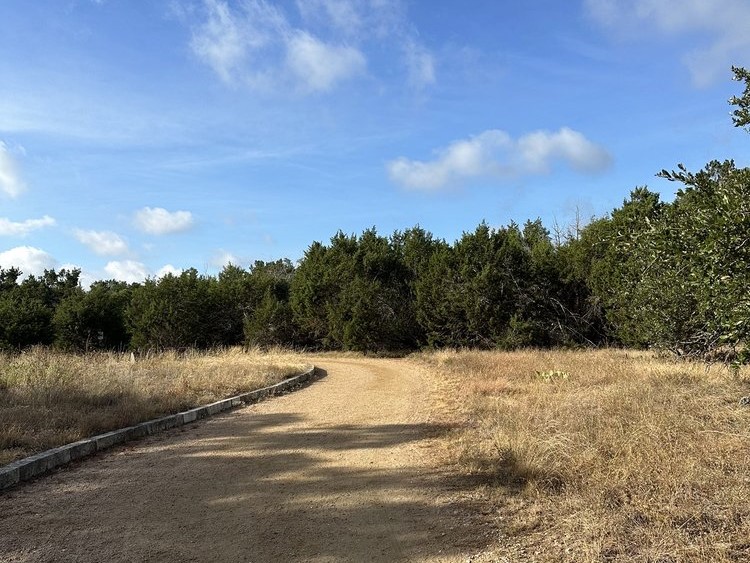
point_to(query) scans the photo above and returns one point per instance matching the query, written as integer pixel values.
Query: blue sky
(139, 137)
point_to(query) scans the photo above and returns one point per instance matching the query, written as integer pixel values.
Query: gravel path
(338, 471)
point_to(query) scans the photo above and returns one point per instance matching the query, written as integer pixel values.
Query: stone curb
(38, 464)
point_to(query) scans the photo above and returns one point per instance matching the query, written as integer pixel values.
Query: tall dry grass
(48, 398)
(619, 456)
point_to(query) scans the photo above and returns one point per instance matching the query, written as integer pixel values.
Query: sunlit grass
(49, 398)
(622, 456)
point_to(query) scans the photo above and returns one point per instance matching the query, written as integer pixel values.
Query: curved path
(335, 472)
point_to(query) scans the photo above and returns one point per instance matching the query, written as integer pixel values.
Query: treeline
(650, 274)
(671, 275)
(504, 287)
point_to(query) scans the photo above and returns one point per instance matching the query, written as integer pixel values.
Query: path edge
(38, 464)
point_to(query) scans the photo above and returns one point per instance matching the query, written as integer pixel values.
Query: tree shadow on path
(264, 487)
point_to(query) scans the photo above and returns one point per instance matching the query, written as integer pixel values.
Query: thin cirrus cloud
(23, 228)
(255, 44)
(319, 66)
(495, 154)
(723, 22)
(104, 243)
(11, 183)
(29, 259)
(159, 221)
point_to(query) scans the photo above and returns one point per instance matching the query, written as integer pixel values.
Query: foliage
(175, 312)
(268, 319)
(93, 320)
(741, 115)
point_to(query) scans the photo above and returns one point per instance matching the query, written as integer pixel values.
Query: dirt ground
(338, 471)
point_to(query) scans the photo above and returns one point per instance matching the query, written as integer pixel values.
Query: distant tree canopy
(650, 274)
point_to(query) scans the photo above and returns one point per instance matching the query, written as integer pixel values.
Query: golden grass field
(619, 456)
(49, 398)
(597, 455)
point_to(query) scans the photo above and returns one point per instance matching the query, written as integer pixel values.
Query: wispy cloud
(343, 15)
(23, 228)
(30, 260)
(724, 21)
(421, 64)
(254, 43)
(104, 243)
(159, 221)
(11, 183)
(317, 66)
(494, 154)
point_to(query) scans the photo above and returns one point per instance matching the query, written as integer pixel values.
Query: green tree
(175, 312)
(741, 115)
(94, 319)
(26, 308)
(269, 320)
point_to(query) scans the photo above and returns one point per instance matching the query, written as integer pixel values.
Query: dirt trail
(334, 472)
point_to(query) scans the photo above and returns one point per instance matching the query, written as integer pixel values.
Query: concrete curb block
(38, 464)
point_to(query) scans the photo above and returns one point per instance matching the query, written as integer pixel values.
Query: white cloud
(132, 271)
(539, 149)
(10, 177)
(223, 258)
(168, 269)
(255, 43)
(104, 243)
(219, 41)
(229, 38)
(494, 154)
(23, 228)
(725, 21)
(30, 260)
(128, 271)
(159, 221)
(319, 66)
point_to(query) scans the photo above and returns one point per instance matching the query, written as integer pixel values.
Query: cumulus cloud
(168, 269)
(11, 183)
(724, 21)
(132, 271)
(223, 258)
(28, 259)
(23, 228)
(159, 221)
(129, 271)
(494, 154)
(539, 149)
(254, 42)
(104, 243)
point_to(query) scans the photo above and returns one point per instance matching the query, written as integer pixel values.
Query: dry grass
(631, 457)
(48, 398)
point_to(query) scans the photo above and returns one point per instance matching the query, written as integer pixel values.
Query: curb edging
(43, 462)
